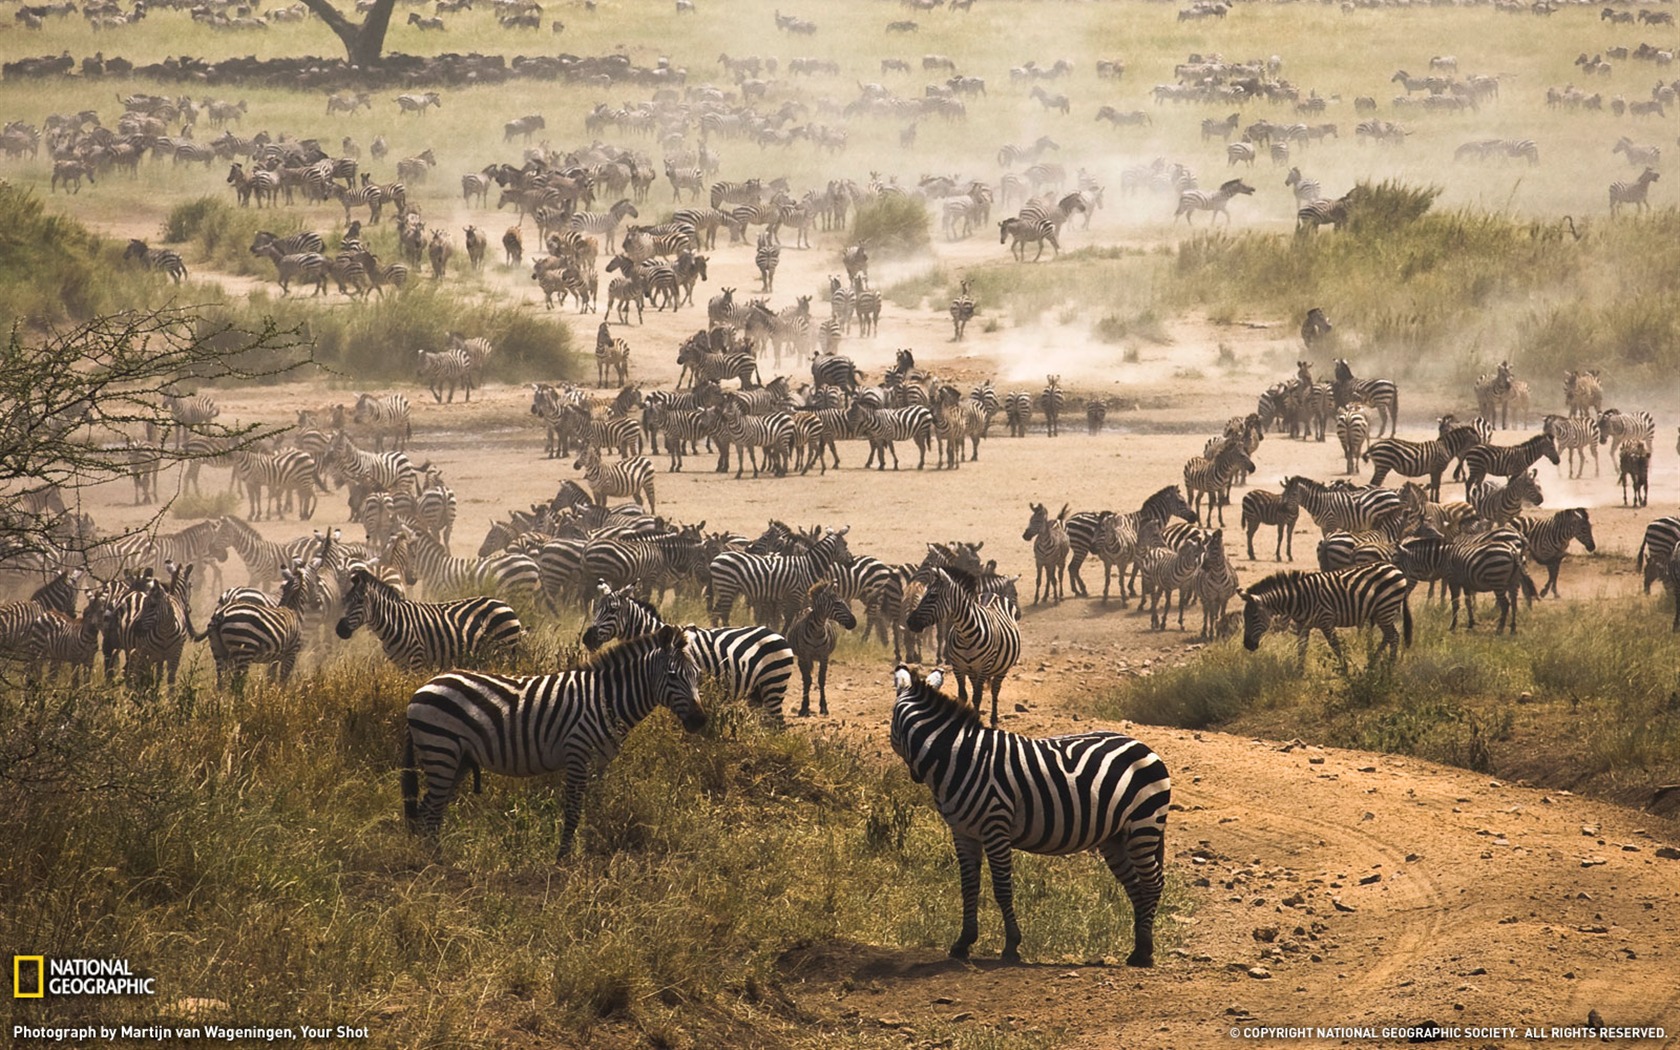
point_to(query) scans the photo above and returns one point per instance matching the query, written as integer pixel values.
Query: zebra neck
(933, 739)
(622, 696)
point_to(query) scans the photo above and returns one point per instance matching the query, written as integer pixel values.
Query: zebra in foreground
(572, 723)
(1000, 792)
(752, 663)
(1414, 459)
(246, 632)
(1366, 594)
(981, 637)
(1660, 539)
(418, 636)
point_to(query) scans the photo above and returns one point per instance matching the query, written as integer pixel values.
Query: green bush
(891, 225)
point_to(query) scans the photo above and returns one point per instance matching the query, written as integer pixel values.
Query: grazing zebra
(1380, 394)
(382, 416)
(1068, 794)
(1575, 436)
(813, 636)
(630, 478)
(1505, 461)
(981, 637)
(572, 722)
(1632, 192)
(1025, 232)
(1050, 550)
(752, 663)
(1633, 465)
(1366, 594)
(417, 636)
(1260, 507)
(1052, 400)
(962, 311)
(773, 583)
(242, 633)
(1414, 459)
(1192, 201)
(1215, 584)
(1661, 537)
(1213, 478)
(1017, 409)
(1616, 426)
(162, 259)
(1548, 540)
(884, 427)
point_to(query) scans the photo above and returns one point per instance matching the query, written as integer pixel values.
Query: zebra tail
(1639, 562)
(411, 784)
(1528, 589)
(1406, 615)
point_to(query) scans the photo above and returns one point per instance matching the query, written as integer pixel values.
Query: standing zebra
(1000, 792)
(773, 583)
(611, 355)
(1505, 461)
(751, 663)
(962, 311)
(1050, 550)
(1260, 507)
(885, 427)
(162, 259)
(1215, 584)
(981, 638)
(1661, 537)
(417, 636)
(1113, 537)
(1414, 459)
(449, 368)
(866, 302)
(1017, 409)
(767, 258)
(1575, 436)
(1633, 468)
(243, 633)
(1548, 540)
(572, 723)
(382, 416)
(1380, 394)
(1616, 426)
(1353, 430)
(1052, 400)
(813, 636)
(1633, 193)
(1192, 201)
(284, 474)
(1376, 594)
(631, 478)
(1025, 232)
(1213, 477)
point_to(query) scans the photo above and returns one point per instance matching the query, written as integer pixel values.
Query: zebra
(1655, 548)
(1380, 394)
(1000, 792)
(1616, 426)
(772, 433)
(1017, 409)
(748, 192)
(1548, 540)
(1027, 232)
(611, 355)
(1500, 503)
(1306, 190)
(1637, 156)
(752, 663)
(1416, 458)
(162, 259)
(1575, 436)
(1634, 468)
(1050, 550)
(1052, 400)
(382, 416)
(242, 633)
(866, 304)
(1335, 510)
(1215, 584)
(1260, 507)
(981, 637)
(1505, 461)
(1583, 393)
(423, 558)
(157, 629)
(1633, 193)
(1192, 201)
(767, 258)
(59, 638)
(1165, 567)
(962, 311)
(813, 636)
(417, 636)
(1111, 537)
(284, 474)
(884, 427)
(1213, 478)
(1487, 565)
(311, 267)
(1239, 153)
(1376, 594)
(773, 583)
(446, 368)
(57, 595)
(572, 722)
(630, 478)
(1353, 430)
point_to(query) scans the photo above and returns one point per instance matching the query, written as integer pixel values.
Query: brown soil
(1369, 889)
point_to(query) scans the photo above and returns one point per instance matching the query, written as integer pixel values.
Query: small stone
(1668, 853)
(1339, 906)
(1589, 862)
(1266, 934)
(960, 1018)
(1375, 876)
(944, 1000)
(1022, 708)
(1260, 973)
(1367, 769)
(1315, 760)
(1524, 697)
(1412, 858)
(1589, 830)
(1368, 815)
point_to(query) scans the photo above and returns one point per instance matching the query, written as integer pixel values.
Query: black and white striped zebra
(1486, 564)
(1337, 510)
(571, 723)
(1215, 584)
(418, 636)
(1306, 190)
(1498, 503)
(866, 304)
(1192, 201)
(884, 427)
(1616, 426)
(962, 311)
(161, 259)
(982, 640)
(153, 630)
(1049, 538)
(751, 663)
(1052, 400)
(1655, 547)
(308, 267)
(383, 417)
(773, 433)
(691, 179)
(630, 478)
(767, 258)
(246, 632)
(1112, 537)
(1164, 567)
(284, 475)
(612, 356)
(773, 584)
(1017, 410)
(1413, 459)
(1213, 477)
(1353, 431)
(1025, 232)
(425, 559)
(1380, 394)
(813, 636)
(1633, 193)
(1001, 792)
(1548, 540)
(1366, 594)
(748, 192)
(1575, 436)
(446, 368)
(1505, 461)
(1260, 507)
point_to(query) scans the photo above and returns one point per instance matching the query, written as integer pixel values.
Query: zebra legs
(968, 865)
(1077, 559)
(822, 686)
(997, 856)
(1136, 862)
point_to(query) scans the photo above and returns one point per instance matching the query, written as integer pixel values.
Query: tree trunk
(364, 43)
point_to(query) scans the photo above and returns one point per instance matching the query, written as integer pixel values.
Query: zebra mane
(621, 652)
(948, 705)
(1277, 581)
(963, 579)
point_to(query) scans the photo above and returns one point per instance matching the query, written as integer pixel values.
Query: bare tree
(364, 41)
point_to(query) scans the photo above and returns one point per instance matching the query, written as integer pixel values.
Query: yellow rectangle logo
(18, 962)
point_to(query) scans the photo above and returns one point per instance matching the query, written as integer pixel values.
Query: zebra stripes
(1633, 468)
(1050, 550)
(572, 723)
(773, 584)
(418, 636)
(1215, 584)
(1367, 594)
(1633, 193)
(1260, 507)
(1192, 201)
(285, 474)
(1414, 459)
(1213, 477)
(1655, 547)
(982, 640)
(884, 427)
(246, 632)
(1548, 540)
(1001, 792)
(1019, 233)
(630, 478)
(813, 636)
(159, 259)
(1505, 461)
(962, 311)
(1616, 426)
(1575, 436)
(1380, 394)
(1052, 400)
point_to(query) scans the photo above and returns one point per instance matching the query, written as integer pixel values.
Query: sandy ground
(1367, 889)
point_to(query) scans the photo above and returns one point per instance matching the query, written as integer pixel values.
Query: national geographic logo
(36, 977)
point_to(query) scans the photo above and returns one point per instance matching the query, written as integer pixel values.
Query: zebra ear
(935, 679)
(1242, 594)
(902, 678)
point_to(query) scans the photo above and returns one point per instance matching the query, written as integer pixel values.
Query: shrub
(891, 225)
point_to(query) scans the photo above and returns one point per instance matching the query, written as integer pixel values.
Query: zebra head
(679, 675)
(825, 603)
(355, 602)
(609, 617)
(919, 701)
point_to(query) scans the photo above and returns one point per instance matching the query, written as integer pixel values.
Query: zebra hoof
(1011, 955)
(1141, 959)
